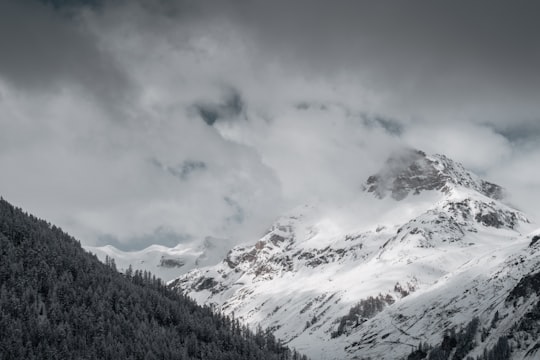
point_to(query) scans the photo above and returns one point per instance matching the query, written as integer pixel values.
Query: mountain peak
(337, 283)
(412, 171)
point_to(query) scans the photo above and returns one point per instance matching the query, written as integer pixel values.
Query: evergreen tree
(59, 302)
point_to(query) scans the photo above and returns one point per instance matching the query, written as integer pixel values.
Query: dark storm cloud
(230, 107)
(519, 133)
(238, 215)
(43, 48)
(426, 54)
(186, 168)
(62, 4)
(182, 171)
(413, 35)
(427, 57)
(307, 106)
(391, 126)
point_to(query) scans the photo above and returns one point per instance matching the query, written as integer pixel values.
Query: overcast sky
(153, 121)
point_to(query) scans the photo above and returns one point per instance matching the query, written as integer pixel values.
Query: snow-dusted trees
(59, 302)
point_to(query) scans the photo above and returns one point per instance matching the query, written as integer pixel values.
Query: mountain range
(427, 260)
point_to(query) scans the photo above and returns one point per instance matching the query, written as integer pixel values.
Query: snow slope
(425, 248)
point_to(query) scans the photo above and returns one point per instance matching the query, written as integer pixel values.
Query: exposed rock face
(411, 171)
(171, 262)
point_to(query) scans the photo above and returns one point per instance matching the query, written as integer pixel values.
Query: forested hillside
(59, 302)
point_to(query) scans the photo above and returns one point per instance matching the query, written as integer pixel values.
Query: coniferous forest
(59, 302)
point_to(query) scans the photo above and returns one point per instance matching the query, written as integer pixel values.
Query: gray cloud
(232, 106)
(160, 235)
(428, 57)
(238, 214)
(392, 126)
(520, 133)
(46, 50)
(183, 170)
(325, 91)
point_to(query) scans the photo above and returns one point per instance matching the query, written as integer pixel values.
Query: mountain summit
(378, 282)
(412, 171)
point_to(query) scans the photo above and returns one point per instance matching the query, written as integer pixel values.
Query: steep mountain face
(426, 248)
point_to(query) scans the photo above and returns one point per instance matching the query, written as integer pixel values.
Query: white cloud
(477, 147)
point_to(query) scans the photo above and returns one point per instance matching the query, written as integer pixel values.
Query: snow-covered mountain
(166, 262)
(426, 249)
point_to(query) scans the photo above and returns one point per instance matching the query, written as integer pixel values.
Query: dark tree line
(459, 343)
(59, 302)
(456, 346)
(363, 310)
(501, 351)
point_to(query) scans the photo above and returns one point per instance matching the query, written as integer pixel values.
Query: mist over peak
(411, 171)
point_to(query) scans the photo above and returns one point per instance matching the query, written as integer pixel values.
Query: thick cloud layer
(150, 121)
